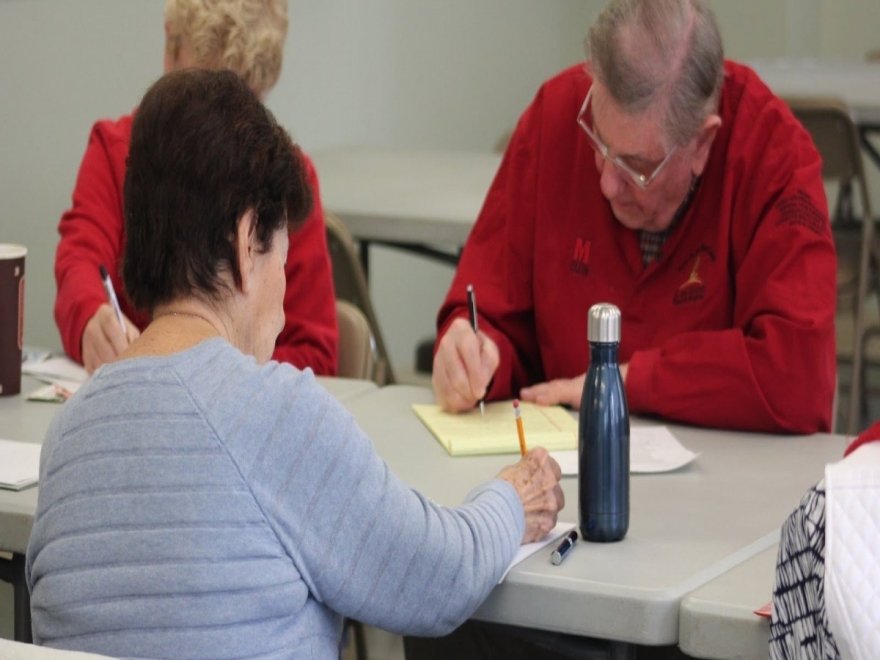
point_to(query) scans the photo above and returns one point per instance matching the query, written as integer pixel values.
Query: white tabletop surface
(854, 81)
(718, 619)
(27, 421)
(686, 528)
(405, 196)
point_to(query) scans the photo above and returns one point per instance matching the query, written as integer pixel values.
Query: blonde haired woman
(246, 37)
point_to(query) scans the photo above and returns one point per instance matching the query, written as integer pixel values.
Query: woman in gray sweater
(197, 500)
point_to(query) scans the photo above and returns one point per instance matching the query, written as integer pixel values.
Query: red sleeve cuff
(871, 434)
(639, 381)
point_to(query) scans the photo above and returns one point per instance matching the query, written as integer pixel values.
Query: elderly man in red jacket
(674, 184)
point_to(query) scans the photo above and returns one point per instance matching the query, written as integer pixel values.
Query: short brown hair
(244, 36)
(204, 150)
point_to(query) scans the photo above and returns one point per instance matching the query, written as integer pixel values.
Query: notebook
(470, 433)
(19, 464)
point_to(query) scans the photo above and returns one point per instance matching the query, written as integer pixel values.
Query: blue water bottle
(603, 434)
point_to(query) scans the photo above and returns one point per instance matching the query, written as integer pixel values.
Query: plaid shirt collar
(651, 242)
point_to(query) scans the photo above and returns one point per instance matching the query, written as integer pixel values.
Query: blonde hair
(244, 36)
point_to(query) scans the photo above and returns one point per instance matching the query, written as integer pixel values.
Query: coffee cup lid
(12, 251)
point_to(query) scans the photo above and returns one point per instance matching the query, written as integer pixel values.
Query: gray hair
(666, 52)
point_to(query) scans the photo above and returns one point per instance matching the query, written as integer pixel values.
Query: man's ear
(245, 248)
(705, 138)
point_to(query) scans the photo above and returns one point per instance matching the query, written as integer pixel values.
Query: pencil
(520, 431)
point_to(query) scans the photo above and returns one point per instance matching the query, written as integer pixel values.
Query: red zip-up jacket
(92, 234)
(732, 327)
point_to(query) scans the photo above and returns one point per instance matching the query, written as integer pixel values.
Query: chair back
(833, 131)
(356, 357)
(351, 286)
(830, 124)
(836, 136)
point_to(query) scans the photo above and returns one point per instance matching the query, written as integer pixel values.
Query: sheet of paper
(470, 433)
(57, 392)
(651, 449)
(529, 549)
(56, 369)
(19, 464)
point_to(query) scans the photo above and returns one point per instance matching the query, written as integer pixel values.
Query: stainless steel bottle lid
(603, 323)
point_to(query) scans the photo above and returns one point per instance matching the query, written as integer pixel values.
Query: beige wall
(404, 73)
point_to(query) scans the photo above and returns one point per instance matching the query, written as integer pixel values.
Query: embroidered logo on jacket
(693, 288)
(800, 209)
(580, 259)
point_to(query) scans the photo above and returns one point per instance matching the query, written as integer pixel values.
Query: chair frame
(351, 285)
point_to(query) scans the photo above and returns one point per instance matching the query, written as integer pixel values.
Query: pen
(111, 298)
(520, 431)
(562, 550)
(472, 310)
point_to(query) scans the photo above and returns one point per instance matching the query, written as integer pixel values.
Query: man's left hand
(564, 391)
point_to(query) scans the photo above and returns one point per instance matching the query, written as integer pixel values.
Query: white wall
(451, 74)
(416, 73)
(405, 73)
(62, 65)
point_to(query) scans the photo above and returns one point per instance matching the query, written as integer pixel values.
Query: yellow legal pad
(469, 433)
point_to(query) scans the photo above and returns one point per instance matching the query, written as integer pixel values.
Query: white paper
(655, 449)
(19, 464)
(529, 549)
(56, 369)
(57, 392)
(651, 449)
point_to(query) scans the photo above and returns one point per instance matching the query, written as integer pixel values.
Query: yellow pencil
(519, 428)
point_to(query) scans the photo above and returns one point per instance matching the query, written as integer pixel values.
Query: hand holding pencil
(464, 364)
(536, 480)
(108, 332)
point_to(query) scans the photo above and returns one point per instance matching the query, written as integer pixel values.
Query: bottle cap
(603, 323)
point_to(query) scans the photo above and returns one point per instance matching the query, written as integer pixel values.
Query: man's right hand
(103, 339)
(463, 367)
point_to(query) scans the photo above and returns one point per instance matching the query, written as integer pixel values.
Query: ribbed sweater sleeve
(368, 546)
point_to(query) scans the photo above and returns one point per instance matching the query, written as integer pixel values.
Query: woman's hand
(536, 480)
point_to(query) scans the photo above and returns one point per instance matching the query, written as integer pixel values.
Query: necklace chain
(190, 315)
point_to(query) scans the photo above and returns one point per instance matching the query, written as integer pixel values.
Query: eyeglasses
(640, 175)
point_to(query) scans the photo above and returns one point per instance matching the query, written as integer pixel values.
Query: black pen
(472, 310)
(558, 555)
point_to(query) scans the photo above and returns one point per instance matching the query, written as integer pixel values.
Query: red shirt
(732, 327)
(92, 234)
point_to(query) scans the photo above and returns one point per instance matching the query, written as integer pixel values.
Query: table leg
(12, 571)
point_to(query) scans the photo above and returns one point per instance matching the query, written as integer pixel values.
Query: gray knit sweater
(204, 506)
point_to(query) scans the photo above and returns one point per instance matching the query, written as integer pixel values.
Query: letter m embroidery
(580, 260)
